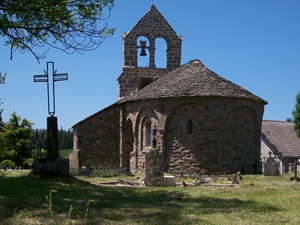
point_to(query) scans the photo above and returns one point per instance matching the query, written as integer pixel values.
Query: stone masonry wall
(225, 133)
(97, 138)
(130, 78)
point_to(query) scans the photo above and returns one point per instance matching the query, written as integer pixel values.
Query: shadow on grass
(121, 205)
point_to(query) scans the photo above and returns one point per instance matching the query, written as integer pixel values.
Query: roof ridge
(278, 121)
(191, 79)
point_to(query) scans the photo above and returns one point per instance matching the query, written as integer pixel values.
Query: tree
(67, 25)
(15, 140)
(39, 139)
(296, 114)
(65, 139)
(2, 81)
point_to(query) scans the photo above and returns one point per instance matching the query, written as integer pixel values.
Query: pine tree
(15, 140)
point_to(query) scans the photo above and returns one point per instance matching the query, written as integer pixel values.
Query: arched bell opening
(161, 53)
(143, 54)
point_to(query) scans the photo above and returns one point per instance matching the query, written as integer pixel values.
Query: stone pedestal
(52, 138)
(169, 181)
(154, 168)
(59, 166)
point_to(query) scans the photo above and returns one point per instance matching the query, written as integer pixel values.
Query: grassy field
(26, 199)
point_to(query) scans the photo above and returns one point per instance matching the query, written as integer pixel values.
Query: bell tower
(140, 42)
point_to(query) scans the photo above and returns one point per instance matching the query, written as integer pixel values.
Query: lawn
(64, 153)
(26, 199)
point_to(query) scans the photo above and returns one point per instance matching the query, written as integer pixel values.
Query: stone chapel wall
(97, 138)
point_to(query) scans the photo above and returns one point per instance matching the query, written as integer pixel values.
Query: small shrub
(8, 164)
(28, 163)
(89, 164)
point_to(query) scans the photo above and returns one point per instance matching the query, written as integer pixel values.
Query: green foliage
(87, 208)
(296, 114)
(27, 163)
(65, 139)
(39, 139)
(49, 200)
(8, 164)
(2, 81)
(89, 164)
(15, 140)
(67, 25)
(42, 153)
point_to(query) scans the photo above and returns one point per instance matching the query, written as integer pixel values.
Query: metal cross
(50, 85)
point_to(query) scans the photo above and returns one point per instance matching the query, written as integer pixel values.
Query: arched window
(147, 136)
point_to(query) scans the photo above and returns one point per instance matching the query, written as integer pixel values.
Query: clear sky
(253, 43)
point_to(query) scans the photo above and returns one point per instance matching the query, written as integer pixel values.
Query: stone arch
(146, 132)
(128, 159)
(241, 141)
(146, 121)
(190, 149)
(155, 50)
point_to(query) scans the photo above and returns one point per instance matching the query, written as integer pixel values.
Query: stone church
(199, 121)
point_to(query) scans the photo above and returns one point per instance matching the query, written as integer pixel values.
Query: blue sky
(253, 43)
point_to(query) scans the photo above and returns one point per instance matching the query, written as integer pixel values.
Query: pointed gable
(152, 24)
(192, 79)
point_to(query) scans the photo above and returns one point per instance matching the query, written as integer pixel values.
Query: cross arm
(40, 78)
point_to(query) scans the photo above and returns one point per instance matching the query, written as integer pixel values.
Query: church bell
(143, 47)
(143, 52)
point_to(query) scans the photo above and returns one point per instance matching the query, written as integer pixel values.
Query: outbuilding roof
(282, 136)
(191, 79)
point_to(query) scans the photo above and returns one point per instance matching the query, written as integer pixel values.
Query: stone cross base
(59, 166)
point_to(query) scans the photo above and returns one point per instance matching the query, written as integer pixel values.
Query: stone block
(169, 181)
(271, 167)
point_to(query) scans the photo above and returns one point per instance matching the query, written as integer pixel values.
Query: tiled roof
(95, 114)
(191, 79)
(282, 136)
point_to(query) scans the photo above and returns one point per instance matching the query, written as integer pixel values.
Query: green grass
(64, 153)
(257, 200)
